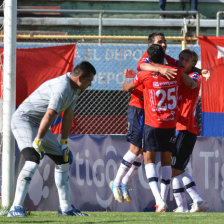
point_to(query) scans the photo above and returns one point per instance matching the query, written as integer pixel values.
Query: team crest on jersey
(194, 77)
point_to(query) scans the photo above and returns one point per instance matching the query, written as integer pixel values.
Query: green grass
(121, 217)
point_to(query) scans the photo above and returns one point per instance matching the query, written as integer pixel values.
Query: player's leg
(179, 191)
(124, 184)
(199, 204)
(184, 146)
(136, 164)
(24, 133)
(150, 146)
(180, 158)
(152, 177)
(61, 175)
(166, 173)
(165, 144)
(123, 169)
(134, 137)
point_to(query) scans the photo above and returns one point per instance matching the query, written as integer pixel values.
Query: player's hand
(129, 73)
(169, 73)
(67, 154)
(38, 147)
(125, 87)
(205, 73)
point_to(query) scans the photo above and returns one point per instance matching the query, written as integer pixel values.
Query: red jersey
(188, 99)
(137, 94)
(160, 98)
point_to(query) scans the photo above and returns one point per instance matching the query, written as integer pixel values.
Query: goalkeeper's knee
(30, 154)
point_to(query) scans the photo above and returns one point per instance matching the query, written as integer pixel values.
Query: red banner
(36, 65)
(212, 58)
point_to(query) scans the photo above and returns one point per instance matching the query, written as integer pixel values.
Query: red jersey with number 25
(160, 98)
(137, 94)
(188, 99)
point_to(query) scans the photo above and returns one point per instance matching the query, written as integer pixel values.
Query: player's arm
(66, 126)
(128, 86)
(204, 72)
(169, 73)
(189, 82)
(66, 123)
(46, 122)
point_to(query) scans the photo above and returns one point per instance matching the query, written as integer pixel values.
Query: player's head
(83, 74)
(156, 53)
(157, 38)
(188, 59)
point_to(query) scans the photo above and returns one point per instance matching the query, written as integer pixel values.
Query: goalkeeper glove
(67, 154)
(38, 147)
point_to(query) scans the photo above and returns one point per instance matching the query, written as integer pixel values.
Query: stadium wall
(96, 160)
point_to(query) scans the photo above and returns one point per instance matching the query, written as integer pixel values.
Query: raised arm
(189, 82)
(169, 73)
(128, 86)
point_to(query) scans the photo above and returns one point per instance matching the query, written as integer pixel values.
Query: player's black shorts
(185, 142)
(135, 125)
(158, 139)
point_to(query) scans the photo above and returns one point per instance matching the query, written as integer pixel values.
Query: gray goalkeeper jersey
(56, 94)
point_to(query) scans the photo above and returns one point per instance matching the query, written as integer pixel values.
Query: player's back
(188, 99)
(56, 94)
(160, 98)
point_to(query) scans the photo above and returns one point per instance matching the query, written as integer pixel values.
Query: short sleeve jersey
(56, 94)
(160, 98)
(137, 94)
(188, 99)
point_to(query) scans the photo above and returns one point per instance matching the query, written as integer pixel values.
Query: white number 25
(162, 106)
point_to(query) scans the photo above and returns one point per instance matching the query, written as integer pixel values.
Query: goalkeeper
(30, 125)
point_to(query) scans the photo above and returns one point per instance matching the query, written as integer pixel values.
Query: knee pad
(59, 160)
(30, 154)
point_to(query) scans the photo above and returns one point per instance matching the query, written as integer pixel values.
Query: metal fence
(102, 108)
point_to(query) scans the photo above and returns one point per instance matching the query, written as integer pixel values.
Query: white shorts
(25, 130)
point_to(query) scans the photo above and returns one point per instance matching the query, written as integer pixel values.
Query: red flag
(36, 65)
(212, 58)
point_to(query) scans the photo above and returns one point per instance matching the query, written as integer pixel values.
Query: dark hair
(156, 53)
(151, 37)
(193, 55)
(85, 68)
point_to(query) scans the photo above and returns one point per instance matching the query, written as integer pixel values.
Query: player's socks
(61, 175)
(126, 164)
(191, 187)
(179, 193)
(23, 182)
(152, 177)
(136, 164)
(166, 173)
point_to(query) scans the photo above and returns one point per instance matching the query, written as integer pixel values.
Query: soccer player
(160, 105)
(133, 158)
(186, 138)
(30, 125)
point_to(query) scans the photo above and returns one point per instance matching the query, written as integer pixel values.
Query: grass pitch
(120, 217)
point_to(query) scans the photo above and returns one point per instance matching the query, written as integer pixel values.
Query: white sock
(136, 164)
(152, 177)
(126, 164)
(166, 173)
(23, 182)
(61, 176)
(179, 193)
(191, 187)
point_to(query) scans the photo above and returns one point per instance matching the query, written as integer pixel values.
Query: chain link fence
(102, 108)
